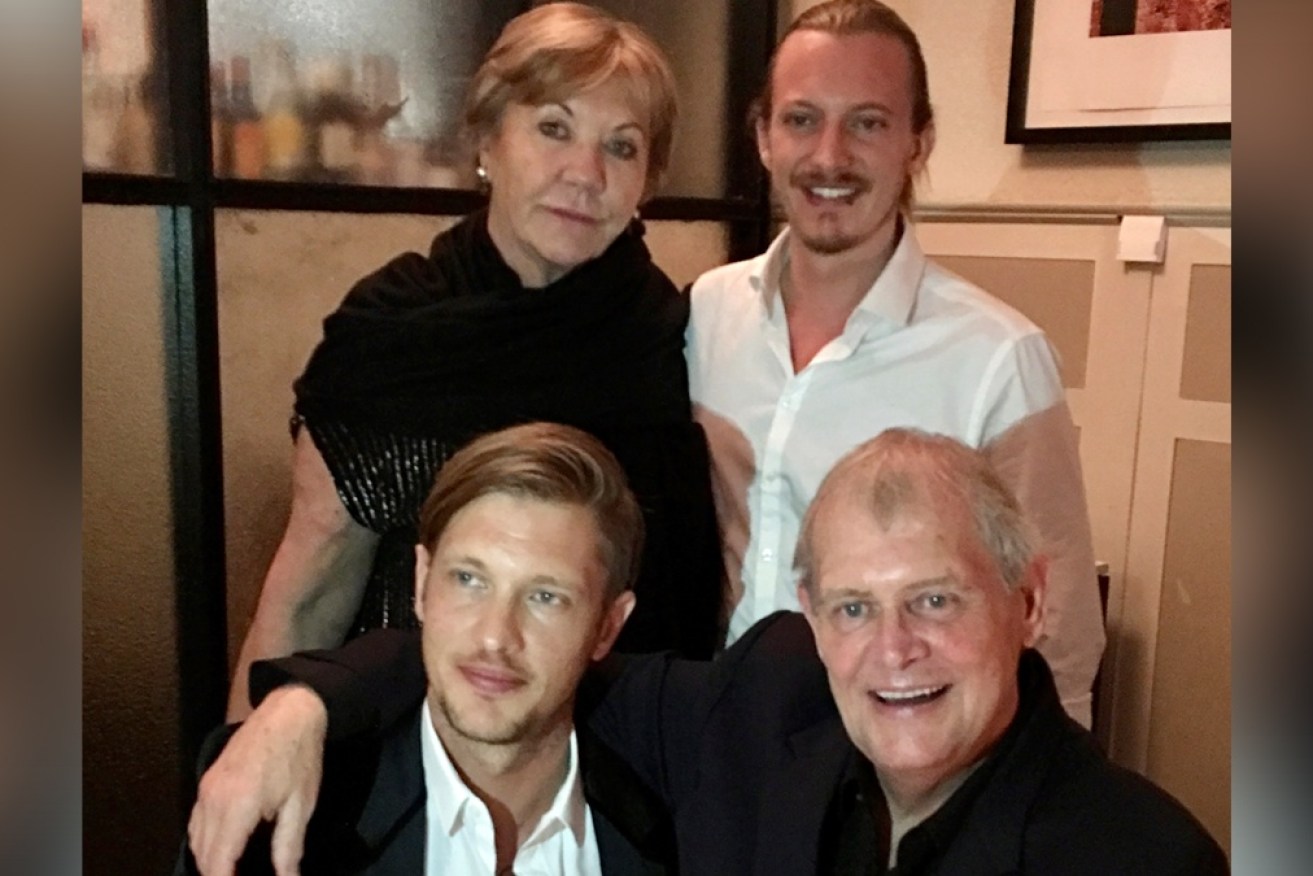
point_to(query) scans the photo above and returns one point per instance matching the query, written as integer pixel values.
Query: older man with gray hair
(902, 724)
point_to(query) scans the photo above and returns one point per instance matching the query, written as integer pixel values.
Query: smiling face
(839, 142)
(919, 636)
(513, 605)
(566, 179)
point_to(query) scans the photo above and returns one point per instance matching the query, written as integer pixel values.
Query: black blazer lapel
(389, 834)
(635, 833)
(795, 797)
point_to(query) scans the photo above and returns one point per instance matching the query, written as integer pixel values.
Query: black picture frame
(1020, 129)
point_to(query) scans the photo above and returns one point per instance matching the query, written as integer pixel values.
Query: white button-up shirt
(923, 348)
(460, 836)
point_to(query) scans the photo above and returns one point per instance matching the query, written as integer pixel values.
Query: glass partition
(369, 92)
(365, 92)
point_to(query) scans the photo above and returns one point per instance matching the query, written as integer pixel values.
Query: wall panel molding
(1060, 214)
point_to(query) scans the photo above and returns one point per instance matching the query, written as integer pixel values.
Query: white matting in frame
(1172, 85)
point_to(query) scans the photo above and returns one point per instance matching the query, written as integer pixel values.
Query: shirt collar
(765, 273)
(890, 297)
(568, 809)
(449, 795)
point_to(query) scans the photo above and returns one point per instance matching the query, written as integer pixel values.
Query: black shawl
(428, 353)
(455, 345)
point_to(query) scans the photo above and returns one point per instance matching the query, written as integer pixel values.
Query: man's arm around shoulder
(272, 767)
(269, 770)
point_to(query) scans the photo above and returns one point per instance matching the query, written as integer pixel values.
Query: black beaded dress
(428, 353)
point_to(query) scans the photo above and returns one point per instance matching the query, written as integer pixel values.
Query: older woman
(545, 306)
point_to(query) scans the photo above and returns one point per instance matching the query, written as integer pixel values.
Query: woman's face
(566, 179)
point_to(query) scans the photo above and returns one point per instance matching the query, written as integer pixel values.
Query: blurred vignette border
(40, 372)
(1272, 763)
(40, 817)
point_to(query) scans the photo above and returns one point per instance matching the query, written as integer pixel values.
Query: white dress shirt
(460, 836)
(923, 348)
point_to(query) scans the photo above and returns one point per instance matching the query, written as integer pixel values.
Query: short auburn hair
(551, 463)
(556, 51)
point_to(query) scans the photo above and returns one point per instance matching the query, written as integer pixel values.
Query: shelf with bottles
(334, 117)
(123, 103)
(356, 106)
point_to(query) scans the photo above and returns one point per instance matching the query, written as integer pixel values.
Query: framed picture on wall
(1105, 71)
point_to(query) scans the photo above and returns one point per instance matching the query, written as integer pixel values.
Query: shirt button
(767, 554)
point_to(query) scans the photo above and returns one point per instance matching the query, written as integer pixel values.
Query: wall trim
(1095, 214)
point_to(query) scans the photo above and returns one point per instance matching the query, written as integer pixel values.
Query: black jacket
(369, 819)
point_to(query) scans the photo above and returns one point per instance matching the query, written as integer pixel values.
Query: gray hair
(901, 470)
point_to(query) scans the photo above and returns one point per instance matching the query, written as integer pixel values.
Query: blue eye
(935, 604)
(547, 598)
(851, 611)
(850, 615)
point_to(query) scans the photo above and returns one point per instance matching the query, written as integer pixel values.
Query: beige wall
(131, 767)
(1189, 748)
(968, 44)
(1172, 683)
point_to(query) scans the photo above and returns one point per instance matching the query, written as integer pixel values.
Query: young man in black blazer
(529, 545)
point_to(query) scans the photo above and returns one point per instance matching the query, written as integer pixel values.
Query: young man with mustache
(843, 328)
(530, 541)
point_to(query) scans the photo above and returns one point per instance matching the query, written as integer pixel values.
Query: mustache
(814, 178)
(496, 660)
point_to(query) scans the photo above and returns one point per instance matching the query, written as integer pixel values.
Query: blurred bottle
(333, 121)
(443, 160)
(284, 130)
(380, 92)
(134, 138)
(245, 128)
(102, 104)
(221, 134)
(406, 142)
